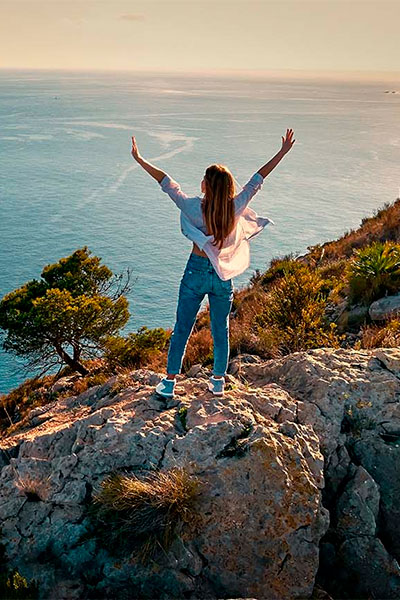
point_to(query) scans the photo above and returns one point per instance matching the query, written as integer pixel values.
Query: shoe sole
(215, 393)
(165, 395)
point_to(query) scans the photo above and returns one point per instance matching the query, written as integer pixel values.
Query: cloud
(132, 17)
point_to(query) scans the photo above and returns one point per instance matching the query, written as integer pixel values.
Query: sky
(201, 35)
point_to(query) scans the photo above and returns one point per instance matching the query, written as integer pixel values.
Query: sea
(67, 178)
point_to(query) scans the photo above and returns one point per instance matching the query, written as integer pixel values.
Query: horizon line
(324, 73)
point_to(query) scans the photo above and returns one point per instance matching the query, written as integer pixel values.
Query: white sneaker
(217, 386)
(166, 388)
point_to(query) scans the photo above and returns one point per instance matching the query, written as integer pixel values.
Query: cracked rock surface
(299, 471)
(351, 399)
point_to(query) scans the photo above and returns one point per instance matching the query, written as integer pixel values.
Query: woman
(220, 225)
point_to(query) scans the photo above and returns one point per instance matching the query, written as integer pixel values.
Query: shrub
(334, 275)
(357, 418)
(277, 269)
(143, 513)
(248, 338)
(136, 349)
(374, 272)
(383, 226)
(31, 393)
(14, 586)
(199, 349)
(374, 336)
(295, 311)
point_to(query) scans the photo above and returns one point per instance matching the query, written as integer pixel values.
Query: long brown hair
(218, 206)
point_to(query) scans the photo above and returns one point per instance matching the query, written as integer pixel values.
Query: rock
(352, 319)
(63, 384)
(351, 399)
(385, 308)
(235, 365)
(259, 513)
(299, 472)
(194, 371)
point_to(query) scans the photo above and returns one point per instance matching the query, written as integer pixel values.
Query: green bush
(374, 272)
(277, 269)
(135, 349)
(295, 311)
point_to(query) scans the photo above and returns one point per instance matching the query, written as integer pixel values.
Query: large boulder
(259, 514)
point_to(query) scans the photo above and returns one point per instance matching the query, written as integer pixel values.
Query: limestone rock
(259, 515)
(308, 435)
(351, 399)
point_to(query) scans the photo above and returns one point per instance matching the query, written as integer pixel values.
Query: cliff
(297, 472)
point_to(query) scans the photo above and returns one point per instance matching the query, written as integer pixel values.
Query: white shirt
(234, 256)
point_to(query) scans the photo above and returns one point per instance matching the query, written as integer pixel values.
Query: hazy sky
(186, 35)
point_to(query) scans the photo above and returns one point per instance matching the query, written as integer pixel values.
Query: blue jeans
(198, 280)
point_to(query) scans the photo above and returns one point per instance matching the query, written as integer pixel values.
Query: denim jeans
(198, 280)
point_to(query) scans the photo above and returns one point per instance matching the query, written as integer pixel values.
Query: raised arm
(287, 143)
(168, 185)
(151, 169)
(255, 183)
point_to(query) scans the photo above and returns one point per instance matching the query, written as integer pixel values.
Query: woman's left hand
(134, 150)
(287, 141)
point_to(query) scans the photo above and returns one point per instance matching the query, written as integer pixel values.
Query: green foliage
(375, 271)
(80, 273)
(15, 587)
(333, 273)
(182, 416)
(142, 513)
(65, 316)
(135, 349)
(356, 419)
(295, 311)
(277, 269)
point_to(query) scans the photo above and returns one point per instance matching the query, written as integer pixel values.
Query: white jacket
(234, 256)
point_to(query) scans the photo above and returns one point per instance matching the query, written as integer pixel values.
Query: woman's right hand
(287, 141)
(134, 150)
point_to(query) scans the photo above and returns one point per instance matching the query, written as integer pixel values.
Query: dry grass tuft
(34, 488)
(142, 513)
(375, 336)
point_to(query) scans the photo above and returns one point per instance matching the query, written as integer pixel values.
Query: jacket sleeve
(249, 190)
(173, 189)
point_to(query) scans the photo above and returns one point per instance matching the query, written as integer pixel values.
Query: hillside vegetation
(320, 299)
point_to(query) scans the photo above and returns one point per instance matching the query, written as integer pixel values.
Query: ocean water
(67, 178)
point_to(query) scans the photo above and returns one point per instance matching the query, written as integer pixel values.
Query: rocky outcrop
(351, 399)
(259, 515)
(298, 467)
(385, 308)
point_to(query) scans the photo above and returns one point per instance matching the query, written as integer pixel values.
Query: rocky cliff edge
(299, 481)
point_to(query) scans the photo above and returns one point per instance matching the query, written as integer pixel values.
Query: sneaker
(217, 386)
(166, 388)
